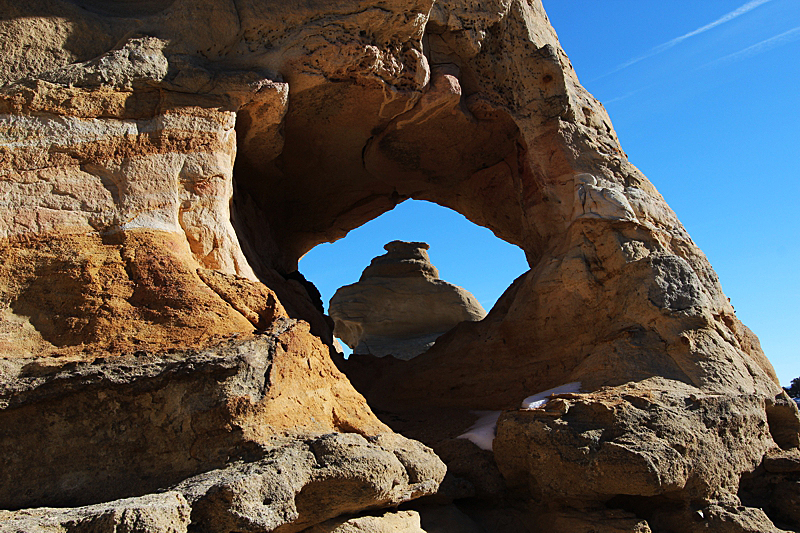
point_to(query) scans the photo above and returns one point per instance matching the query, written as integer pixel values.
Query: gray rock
(305, 483)
(153, 513)
(292, 487)
(675, 285)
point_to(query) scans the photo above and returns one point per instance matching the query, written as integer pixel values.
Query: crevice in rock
(775, 487)
(646, 507)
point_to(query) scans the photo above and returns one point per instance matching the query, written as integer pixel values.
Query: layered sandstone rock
(164, 165)
(82, 432)
(400, 307)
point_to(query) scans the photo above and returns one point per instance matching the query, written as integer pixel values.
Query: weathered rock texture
(400, 307)
(401, 521)
(167, 512)
(164, 165)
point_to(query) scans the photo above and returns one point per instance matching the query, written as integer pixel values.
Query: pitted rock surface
(400, 307)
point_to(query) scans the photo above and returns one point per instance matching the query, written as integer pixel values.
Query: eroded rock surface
(83, 432)
(163, 167)
(168, 512)
(307, 483)
(400, 307)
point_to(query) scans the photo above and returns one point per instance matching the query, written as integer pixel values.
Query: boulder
(641, 440)
(166, 512)
(304, 484)
(400, 307)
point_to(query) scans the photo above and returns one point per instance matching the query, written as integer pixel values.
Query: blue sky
(704, 97)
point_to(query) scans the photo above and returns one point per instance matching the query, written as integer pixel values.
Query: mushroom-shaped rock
(400, 307)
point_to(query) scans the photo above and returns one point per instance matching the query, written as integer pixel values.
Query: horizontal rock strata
(166, 417)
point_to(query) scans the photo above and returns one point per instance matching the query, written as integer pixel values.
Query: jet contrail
(759, 47)
(763, 46)
(749, 6)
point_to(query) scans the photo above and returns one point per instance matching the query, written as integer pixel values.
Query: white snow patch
(483, 431)
(541, 398)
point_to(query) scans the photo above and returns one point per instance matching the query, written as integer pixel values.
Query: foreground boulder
(265, 424)
(159, 186)
(400, 307)
(167, 512)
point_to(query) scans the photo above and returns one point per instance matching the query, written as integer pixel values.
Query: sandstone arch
(493, 123)
(121, 152)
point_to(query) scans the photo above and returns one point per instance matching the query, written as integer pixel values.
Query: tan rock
(174, 414)
(781, 461)
(774, 487)
(137, 151)
(400, 307)
(256, 302)
(594, 521)
(632, 441)
(717, 518)
(396, 522)
(154, 513)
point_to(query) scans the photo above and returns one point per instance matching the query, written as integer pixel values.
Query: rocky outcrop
(304, 484)
(400, 307)
(230, 428)
(290, 487)
(167, 512)
(159, 184)
(84, 432)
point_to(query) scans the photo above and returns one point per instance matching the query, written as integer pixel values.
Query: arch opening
(466, 255)
(340, 154)
(345, 152)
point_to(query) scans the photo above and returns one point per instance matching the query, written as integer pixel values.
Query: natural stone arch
(329, 115)
(617, 291)
(493, 123)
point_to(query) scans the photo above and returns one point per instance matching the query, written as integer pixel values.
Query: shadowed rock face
(164, 165)
(400, 307)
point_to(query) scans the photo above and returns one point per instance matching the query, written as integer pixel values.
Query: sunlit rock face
(400, 307)
(164, 165)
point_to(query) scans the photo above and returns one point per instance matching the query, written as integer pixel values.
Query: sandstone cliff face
(400, 307)
(164, 165)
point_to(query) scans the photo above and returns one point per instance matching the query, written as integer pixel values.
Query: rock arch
(489, 119)
(119, 240)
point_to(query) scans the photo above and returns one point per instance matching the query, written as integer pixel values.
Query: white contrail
(763, 46)
(749, 6)
(625, 96)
